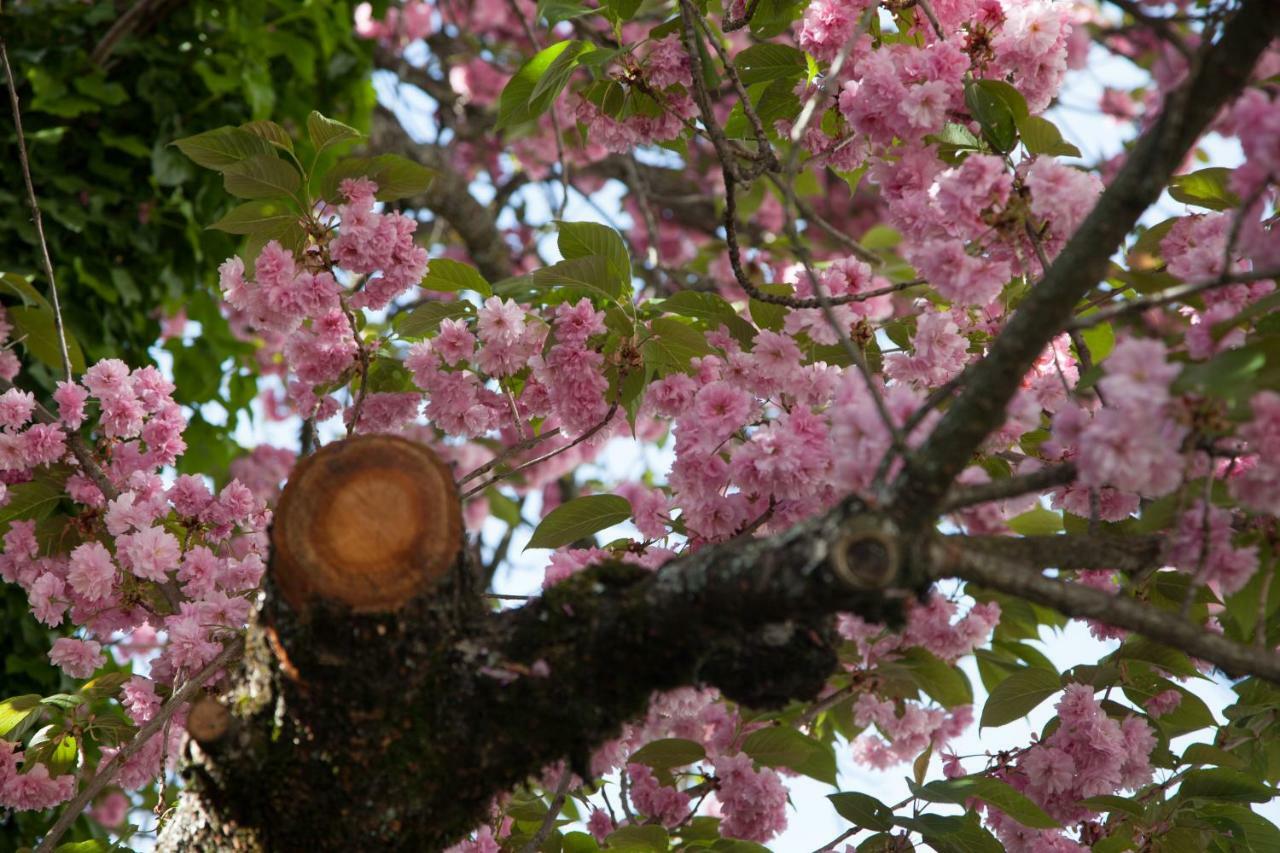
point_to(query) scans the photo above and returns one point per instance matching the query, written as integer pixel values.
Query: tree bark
(395, 726)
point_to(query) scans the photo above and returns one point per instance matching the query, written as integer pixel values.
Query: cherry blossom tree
(913, 382)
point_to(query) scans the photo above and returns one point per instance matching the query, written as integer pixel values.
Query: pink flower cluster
(1088, 755)
(32, 788)
(122, 555)
(1134, 442)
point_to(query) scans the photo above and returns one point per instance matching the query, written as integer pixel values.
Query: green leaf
(15, 710)
(426, 318)
(267, 216)
(667, 753)
(222, 148)
(1100, 340)
(585, 239)
(555, 11)
(1017, 695)
(1167, 658)
(1037, 522)
(21, 287)
(104, 685)
(622, 10)
(1223, 783)
(996, 106)
(93, 845)
(990, 790)
(446, 275)
(638, 839)
(397, 177)
(262, 176)
(1205, 188)
(767, 315)
(952, 834)
(781, 746)
(1041, 136)
(579, 842)
(863, 810)
(1250, 831)
(1112, 803)
(592, 273)
(712, 308)
(270, 131)
(39, 333)
(1203, 753)
(536, 85)
(672, 346)
(761, 63)
(945, 683)
(325, 132)
(62, 756)
(578, 519)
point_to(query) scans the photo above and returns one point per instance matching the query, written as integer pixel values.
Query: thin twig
(546, 456)
(518, 447)
(549, 819)
(1172, 294)
(35, 212)
(107, 771)
(1010, 487)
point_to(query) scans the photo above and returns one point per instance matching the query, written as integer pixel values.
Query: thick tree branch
(991, 383)
(1082, 602)
(1128, 554)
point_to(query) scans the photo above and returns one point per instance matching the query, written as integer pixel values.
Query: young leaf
(1017, 695)
(863, 810)
(446, 275)
(267, 216)
(39, 332)
(536, 85)
(270, 131)
(325, 132)
(592, 272)
(761, 63)
(224, 147)
(427, 317)
(667, 753)
(15, 710)
(1205, 188)
(781, 746)
(1041, 136)
(583, 239)
(578, 519)
(1223, 783)
(262, 176)
(993, 791)
(672, 346)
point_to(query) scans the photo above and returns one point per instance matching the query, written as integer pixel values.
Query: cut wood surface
(368, 522)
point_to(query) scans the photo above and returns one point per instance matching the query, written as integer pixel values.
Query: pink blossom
(150, 553)
(754, 802)
(77, 658)
(92, 573)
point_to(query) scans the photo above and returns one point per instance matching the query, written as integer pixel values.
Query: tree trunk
(364, 719)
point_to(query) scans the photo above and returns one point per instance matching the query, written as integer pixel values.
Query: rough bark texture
(395, 730)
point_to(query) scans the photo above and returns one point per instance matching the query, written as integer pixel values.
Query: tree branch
(1010, 487)
(35, 211)
(1127, 554)
(107, 771)
(991, 383)
(1083, 602)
